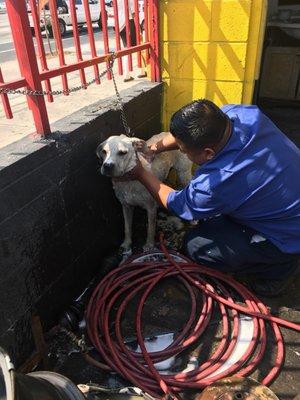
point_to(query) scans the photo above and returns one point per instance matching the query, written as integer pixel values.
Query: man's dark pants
(227, 246)
(123, 35)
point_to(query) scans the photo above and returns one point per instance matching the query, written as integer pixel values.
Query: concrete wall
(58, 215)
(211, 49)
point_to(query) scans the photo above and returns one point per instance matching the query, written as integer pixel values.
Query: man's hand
(167, 143)
(156, 188)
(151, 153)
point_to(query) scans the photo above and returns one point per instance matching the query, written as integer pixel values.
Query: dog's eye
(103, 152)
(122, 152)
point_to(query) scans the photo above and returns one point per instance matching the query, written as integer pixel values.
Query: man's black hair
(198, 124)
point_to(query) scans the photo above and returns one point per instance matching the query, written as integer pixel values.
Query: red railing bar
(104, 31)
(128, 38)
(19, 55)
(58, 40)
(16, 84)
(151, 37)
(146, 26)
(89, 63)
(137, 30)
(91, 37)
(156, 41)
(22, 37)
(19, 83)
(117, 35)
(76, 39)
(40, 44)
(153, 21)
(5, 101)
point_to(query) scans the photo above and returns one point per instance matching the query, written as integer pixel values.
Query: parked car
(2, 6)
(59, 3)
(64, 16)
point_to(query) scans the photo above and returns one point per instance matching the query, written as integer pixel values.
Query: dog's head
(118, 154)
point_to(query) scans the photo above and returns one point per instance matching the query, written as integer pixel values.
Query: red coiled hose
(133, 278)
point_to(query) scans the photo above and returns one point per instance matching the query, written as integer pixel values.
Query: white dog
(119, 155)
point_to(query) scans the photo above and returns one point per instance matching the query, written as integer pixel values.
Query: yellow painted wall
(210, 49)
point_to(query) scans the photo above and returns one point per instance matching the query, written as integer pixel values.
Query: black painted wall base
(58, 216)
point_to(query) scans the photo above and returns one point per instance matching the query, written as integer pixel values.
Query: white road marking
(6, 51)
(6, 42)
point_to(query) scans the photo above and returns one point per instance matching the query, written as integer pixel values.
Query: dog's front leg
(128, 214)
(151, 214)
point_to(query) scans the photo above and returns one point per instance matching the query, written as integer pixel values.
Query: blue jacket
(255, 179)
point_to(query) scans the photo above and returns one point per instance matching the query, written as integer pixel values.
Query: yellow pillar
(211, 49)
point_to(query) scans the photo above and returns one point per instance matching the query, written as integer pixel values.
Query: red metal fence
(35, 83)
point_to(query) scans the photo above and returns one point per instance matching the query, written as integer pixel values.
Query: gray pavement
(7, 50)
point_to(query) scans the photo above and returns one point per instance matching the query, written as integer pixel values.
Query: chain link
(119, 99)
(28, 92)
(111, 60)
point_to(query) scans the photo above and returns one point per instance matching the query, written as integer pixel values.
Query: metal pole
(154, 40)
(128, 36)
(91, 37)
(117, 34)
(58, 41)
(19, 22)
(5, 101)
(77, 39)
(40, 44)
(105, 32)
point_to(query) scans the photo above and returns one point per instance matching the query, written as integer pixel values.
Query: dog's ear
(99, 150)
(139, 145)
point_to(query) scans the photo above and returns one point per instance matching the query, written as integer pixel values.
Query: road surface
(7, 50)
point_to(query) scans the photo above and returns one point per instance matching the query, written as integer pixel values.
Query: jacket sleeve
(195, 202)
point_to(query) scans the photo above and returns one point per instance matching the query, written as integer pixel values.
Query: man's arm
(166, 144)
(155, 187)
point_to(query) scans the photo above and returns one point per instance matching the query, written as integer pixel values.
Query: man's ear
(209, 153)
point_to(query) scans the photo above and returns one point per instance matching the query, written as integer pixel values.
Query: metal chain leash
(29, 92)
(119, 99)
(111, 60)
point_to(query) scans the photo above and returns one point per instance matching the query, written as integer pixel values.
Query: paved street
(7, 51)
(22, 123)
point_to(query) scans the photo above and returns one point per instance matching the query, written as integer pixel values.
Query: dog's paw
(126, 254)
(126, 247)
(149, 247)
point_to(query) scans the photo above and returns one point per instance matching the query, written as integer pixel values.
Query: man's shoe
(128, 78)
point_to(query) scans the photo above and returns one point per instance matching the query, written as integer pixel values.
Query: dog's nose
(108, 167)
